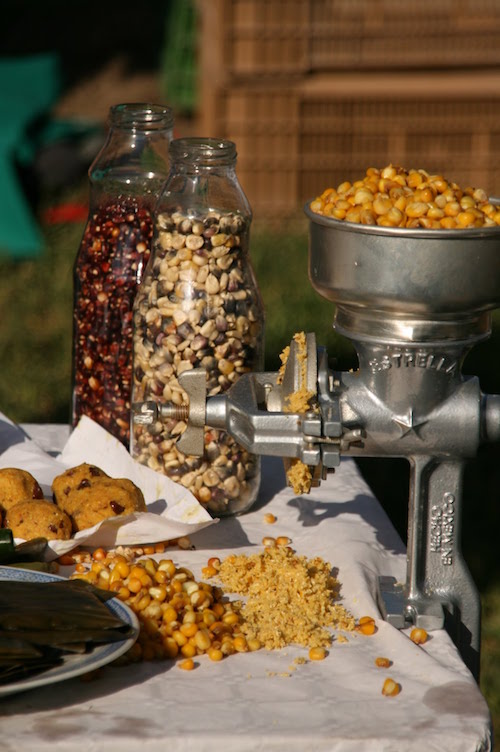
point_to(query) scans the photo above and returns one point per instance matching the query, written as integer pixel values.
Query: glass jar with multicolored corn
(125, 178)
(199, 306)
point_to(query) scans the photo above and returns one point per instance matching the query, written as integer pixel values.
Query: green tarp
(29, 86)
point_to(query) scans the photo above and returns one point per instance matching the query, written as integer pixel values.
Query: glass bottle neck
(141, 117)
(203, 177)
(202, 172)
(134, 157)
(202, 154)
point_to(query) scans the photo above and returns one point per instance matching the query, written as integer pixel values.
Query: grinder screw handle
(193, 382)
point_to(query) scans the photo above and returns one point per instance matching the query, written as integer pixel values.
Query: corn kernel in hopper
(396, 197)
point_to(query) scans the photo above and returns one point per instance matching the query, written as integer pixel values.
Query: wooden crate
(295, 37)
(390, 35)
(296, 139)
(256, 37)
(263, 122)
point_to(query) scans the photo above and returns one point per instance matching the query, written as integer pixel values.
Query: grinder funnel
(414, 301)
(401, 284)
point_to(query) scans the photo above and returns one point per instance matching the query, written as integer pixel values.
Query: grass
(280, 263)
(35, 337)
(35, 384)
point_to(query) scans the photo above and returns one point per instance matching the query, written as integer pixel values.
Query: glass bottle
(125, 178)
(198, 306)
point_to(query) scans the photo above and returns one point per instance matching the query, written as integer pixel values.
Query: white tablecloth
(254, 701)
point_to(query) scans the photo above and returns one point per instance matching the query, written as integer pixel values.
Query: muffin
(76, 478)
(17, 485)
(101, 499)
(38, 518)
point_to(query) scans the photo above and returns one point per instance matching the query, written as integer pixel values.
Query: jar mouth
(141, 115)
(203, 151)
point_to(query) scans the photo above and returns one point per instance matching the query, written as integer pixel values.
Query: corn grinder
(413, 302)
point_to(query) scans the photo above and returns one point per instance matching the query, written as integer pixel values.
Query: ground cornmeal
(289, 599)
(298, 474)
(298, 401)
(299, 477)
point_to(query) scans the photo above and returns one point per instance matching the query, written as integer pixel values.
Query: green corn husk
(27, 670)
(35, 566)
(52, 606)
(14, 650)
(7, 548)
(41, 621)
(20, 660)
(60, 638)
(30, 551)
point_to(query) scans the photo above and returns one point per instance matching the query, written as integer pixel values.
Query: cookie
(76, 478)
(38, 518)
(103, 498)
(17, 485)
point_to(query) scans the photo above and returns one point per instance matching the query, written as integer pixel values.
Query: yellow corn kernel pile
(178, 616)
(289, 598)
(394, 197)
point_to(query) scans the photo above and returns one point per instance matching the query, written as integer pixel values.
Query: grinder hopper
(414, 301)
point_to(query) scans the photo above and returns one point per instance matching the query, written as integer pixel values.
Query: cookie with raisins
(17, 485)
(76, 478)
(38, 518)
(104, 498)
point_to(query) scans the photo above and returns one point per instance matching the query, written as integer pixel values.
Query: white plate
(73, 665)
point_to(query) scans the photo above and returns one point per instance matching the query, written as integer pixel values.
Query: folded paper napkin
(173, 511)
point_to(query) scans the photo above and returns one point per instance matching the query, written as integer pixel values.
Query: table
(262, 700)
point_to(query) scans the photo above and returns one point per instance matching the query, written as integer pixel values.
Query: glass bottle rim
(141, 115)
(203, 151)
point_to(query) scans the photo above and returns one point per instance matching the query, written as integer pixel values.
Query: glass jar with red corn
(125, 179)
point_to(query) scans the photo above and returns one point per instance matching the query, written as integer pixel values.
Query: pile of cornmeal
(290, 599)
